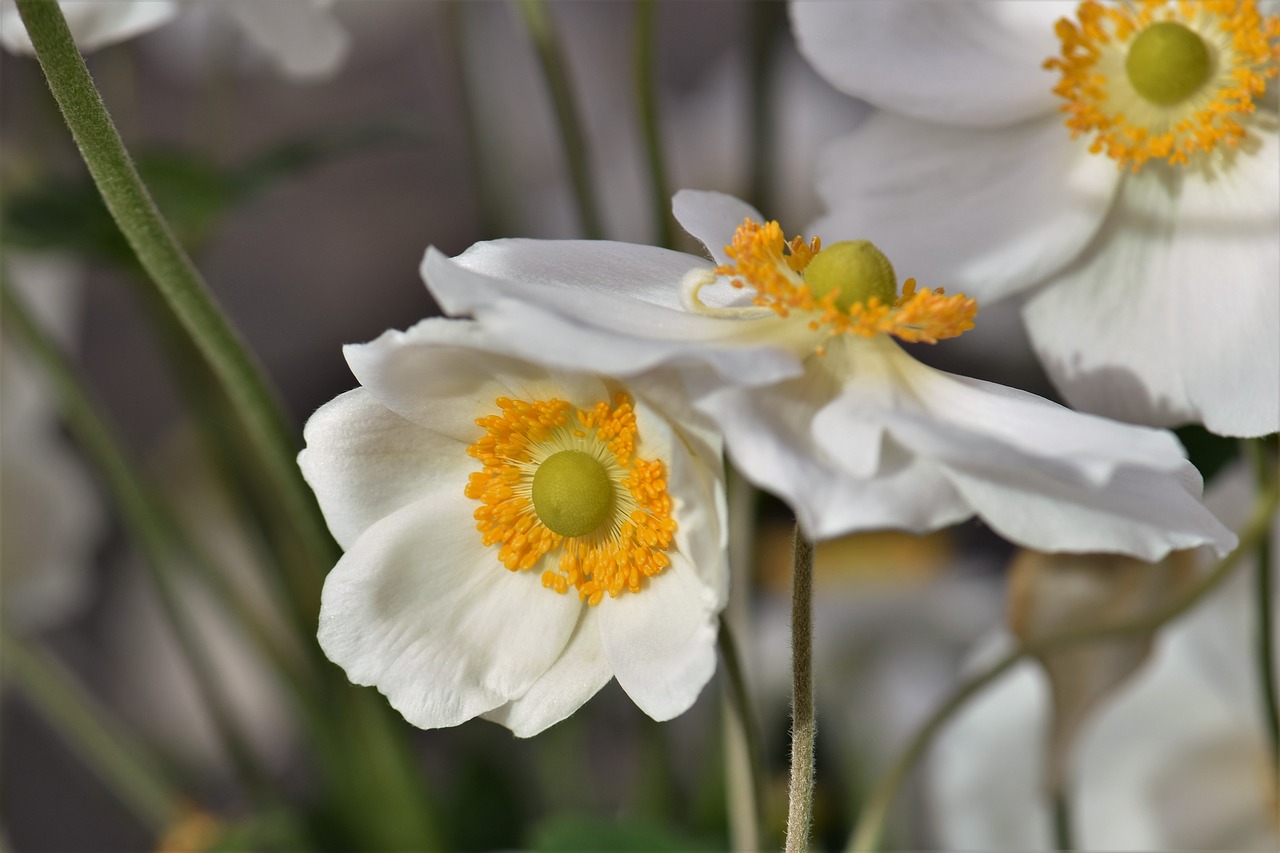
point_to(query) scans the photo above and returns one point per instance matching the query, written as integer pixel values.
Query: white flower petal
(553, 301)
(575, 677)
(424, 612)
(712, 217)
(364, 462)
(986, 212)
(661, 642)
(964, 63)
(93, 24)
(302, 36)
(443, 374)
(1170, 316)
(773, 440)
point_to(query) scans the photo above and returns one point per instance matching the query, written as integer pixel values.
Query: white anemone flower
(515, 536)
(1123, 159)
(817, 402)
(302, 37)
(1176, 759)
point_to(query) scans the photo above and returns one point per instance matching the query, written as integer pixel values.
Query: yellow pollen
(611, 509)
(1134, 78)
(763, 260)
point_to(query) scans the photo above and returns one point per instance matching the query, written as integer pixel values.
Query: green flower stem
(120, 761)
(866, 835)
(803, 716)
(1265, 470)
(572, 135)
(151, 527)
(489, 207)
(647, 98)
(180, 284)
(768, 20)
(748, 829)
(1062, 834)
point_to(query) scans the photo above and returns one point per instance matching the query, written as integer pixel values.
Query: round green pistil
(854, 269)
(1167, 63)
(572, 494)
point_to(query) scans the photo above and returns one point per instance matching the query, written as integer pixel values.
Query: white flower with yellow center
(790, 348)
(1125, 156)
(515, 536)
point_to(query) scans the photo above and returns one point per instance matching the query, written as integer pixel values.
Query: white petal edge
(712, 217)
(1170, 316)
(94, 24)
(421, 610)
(962, 63)
(303, 37)
(364, 462)
(987, 212)
(661, 642)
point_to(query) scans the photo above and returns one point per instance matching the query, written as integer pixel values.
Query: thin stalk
(489, 208)
(573, 137)
(1063, 837)
(867, 833)
(123, 764)
(650, 123)
(149, 526)
(803, 717)
(1264, 596)
(767, 18)
(747, 830)
(181, 285)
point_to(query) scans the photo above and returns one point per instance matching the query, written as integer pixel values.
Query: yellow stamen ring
(556, 478)
(1164, 79)
(853, 292)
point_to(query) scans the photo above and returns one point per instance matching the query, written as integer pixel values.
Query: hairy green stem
(870, 827)
(803, 715)
(647, 98)
(181, 286)
(748, 832)
(124, 764)
(573, 137)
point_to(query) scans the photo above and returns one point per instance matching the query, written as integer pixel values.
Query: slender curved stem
(748, 727)
(181, 286)
(867, 833)
(647, 97)
(128, 769)
(1265, 469)
(572, 135)
(803, 716)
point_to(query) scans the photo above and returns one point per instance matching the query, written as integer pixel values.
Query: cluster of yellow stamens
(1107, 77)
(635, 526)
(774, 267)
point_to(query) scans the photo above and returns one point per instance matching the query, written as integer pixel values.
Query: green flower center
(1167, 63)
(855, 270)
(572, 493)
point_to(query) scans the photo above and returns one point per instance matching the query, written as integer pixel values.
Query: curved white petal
(712, 217)
(443, 374)
(1171, 314)
(575, 677)
(93, 24)
(661, 641)
(554, 301)
(364, 462)
(777, 442)
(424, 612)
(960, 62)
(301, 36)
(983, 211)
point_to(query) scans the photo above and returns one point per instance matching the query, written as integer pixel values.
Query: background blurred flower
(50, 519)
(589, 546)
(1176, 758)
(849, 429)
(1160, 276)
(300, 36)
